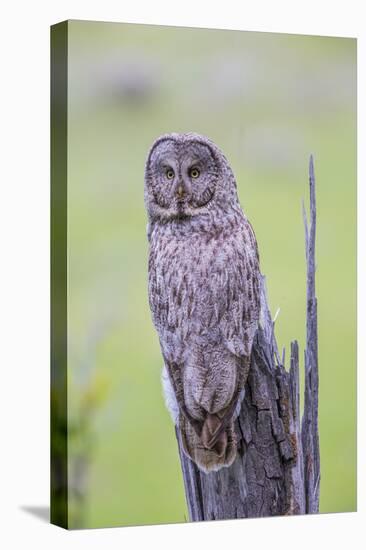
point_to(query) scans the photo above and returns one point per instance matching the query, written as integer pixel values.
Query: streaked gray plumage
(203, 290)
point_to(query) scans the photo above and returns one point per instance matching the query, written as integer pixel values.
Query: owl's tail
(214, 448)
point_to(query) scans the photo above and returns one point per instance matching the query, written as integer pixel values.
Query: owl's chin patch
(183, 211)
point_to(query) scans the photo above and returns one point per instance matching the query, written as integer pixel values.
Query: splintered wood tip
(311, 167)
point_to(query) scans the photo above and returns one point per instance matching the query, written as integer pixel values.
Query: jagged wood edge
(309, 430)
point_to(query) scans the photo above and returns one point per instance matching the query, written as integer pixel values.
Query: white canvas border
(24, 219)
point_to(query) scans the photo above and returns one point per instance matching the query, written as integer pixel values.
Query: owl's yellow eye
(194, 173)
(169, 174)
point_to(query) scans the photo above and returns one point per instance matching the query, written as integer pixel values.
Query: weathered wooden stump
(277, 470)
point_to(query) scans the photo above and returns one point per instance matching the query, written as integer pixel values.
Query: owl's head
(187, 175)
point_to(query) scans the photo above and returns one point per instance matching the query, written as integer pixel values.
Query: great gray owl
(203, 291)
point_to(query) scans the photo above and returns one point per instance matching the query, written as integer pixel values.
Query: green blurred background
(268, 100)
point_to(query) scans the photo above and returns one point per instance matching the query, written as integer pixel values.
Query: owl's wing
(239, 299)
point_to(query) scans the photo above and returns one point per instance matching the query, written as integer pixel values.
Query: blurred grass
(268, 101)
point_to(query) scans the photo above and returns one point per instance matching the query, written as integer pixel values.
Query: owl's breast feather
(202, 289)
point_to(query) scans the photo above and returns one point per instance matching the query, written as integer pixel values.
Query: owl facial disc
(182, 175)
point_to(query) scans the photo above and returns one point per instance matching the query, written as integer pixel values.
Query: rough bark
(277, 470)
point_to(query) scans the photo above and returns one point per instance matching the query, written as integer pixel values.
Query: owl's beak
(182, 190)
